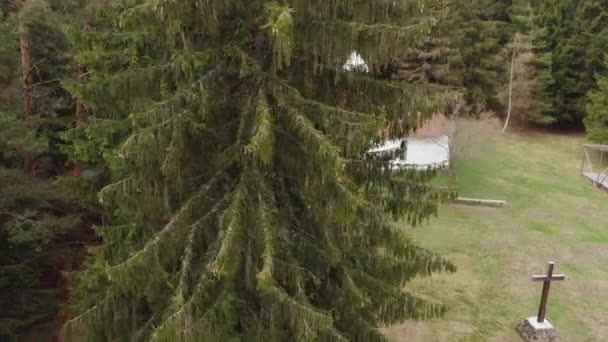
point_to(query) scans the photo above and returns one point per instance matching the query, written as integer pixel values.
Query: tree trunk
(26, 76)
(82, 75)
(79, 115)
(79, 112)
(510, 93)
(26, 86)
(76, 171)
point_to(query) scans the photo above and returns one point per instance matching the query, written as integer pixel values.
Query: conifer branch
(233, 223)
(189, 252)
(279, 24)
(151, 249)
(394, 306)
(266, 227)
(184, 326)
(396, 102)
(378, 43)
(359, 11)
(260, 147)
(309, 318)
(321, 149)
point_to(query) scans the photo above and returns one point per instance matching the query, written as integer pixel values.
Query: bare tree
(519, 96)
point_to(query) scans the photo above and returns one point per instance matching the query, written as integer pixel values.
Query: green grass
(553, 214)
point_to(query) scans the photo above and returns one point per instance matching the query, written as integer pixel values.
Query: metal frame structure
(595, 172)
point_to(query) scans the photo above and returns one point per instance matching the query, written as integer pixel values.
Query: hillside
(554, 214)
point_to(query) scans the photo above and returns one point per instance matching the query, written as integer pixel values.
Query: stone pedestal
(531, 330)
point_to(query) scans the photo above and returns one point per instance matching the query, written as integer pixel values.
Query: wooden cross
(546, 279)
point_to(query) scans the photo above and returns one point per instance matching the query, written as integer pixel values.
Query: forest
(194, 170)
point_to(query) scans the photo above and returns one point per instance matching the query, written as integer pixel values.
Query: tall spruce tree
(478, 31)
(428, 62)
(596, 121)
(241, 205)
(541, 110)
(34, 60)
(550, 23)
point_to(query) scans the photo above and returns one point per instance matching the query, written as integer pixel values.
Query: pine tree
(570, 39)
(36, 60)
(429, 62)
(478, 33)
(463, 49)
(35, 217)
(591, 21)
(549, 24)
(242, 207)
(577, 59)
(543, 87)
(596, 121)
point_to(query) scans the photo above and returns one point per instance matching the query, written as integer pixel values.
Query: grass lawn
(553, 214)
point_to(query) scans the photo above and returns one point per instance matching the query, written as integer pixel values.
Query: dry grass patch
(553, 214)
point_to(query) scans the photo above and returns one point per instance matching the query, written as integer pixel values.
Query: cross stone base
(531, 330)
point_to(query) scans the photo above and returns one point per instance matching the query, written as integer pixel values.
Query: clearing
(554, 214)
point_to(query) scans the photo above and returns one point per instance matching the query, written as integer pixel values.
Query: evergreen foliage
(480, 30)
(570, 39)
(41, 24)
(544, 83)
(37, 218)
(34, 218)
(463, 49)
(17, 138)
(596, 120)
(241, 207)
(428, 62)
